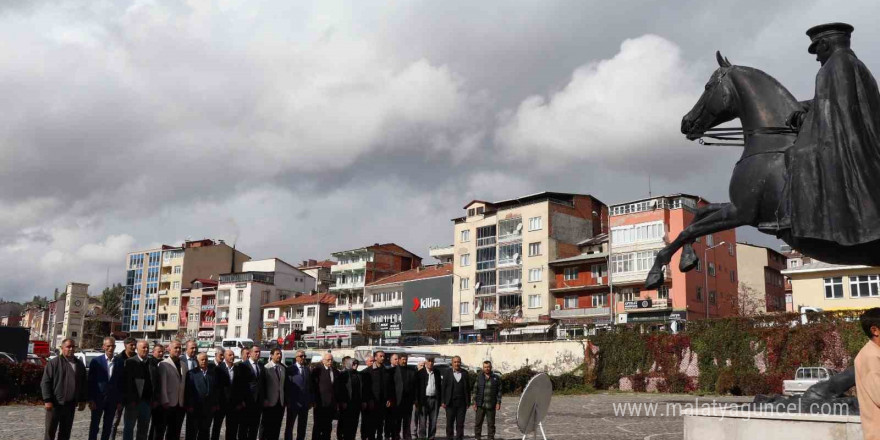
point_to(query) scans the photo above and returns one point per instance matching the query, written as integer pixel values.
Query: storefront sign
(427, 303)
(241, 285)
(385, 326)
(480, 324)
(639, 304)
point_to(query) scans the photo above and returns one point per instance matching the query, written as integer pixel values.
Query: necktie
(109, 368)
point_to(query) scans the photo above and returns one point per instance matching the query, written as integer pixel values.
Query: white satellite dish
(478, 307)
(516, 256)
(477, 286)
(519, 227)
(534, 405)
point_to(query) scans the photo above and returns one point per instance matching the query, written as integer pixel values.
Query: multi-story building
(296, 316)
(155, 279)
(10, 321)
(502, 252)
(320, 271)
(582, 296)
(641, 228)
(761, 284)
(241, 295)
(795, 260)
(358, 267)
(36, 319)
(443, 254)
(198, 311)
(828, 286)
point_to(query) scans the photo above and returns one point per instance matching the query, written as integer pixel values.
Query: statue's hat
(816, 33)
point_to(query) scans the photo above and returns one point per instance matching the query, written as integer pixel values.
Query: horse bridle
(739, 134)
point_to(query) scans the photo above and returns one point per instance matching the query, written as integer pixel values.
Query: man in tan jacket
(868, 375)
(172, 375)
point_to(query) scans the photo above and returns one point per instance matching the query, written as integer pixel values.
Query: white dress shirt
(431, 388)
(457, 375)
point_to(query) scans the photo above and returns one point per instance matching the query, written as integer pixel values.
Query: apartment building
(761, 284)
(356, 268)
(198, 311)
(794, 259)
(296, 316)
(241, 295)
(580, 289)
(641, 228)
(156, 278)
(320, 271)
(502, 252)
(828, 286)
(36, 319)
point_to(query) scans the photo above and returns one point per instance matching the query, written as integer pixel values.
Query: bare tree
(747, 301)
(432, 321)
(366, 328)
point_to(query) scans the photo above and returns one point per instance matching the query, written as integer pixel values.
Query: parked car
(87, 356)
(8, 357)
(36, 360)
(804, 378)
(418, 340)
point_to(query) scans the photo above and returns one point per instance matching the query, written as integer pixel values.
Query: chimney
(232, 269)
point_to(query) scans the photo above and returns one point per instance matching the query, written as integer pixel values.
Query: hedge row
(19, 381)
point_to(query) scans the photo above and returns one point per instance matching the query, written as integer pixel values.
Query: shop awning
(529, 330)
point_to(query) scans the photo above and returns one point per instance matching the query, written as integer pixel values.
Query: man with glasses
(298, 394)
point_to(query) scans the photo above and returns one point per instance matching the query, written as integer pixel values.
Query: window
(173, 301)
(699, 265)
(480, 210)
(509, 279)
(237, 331)
(535, 275)
(599, 300)
(629, 294)
(571, 302)
(711, 297)
(465, 235)
(463, 307)
(733, 276)
(310, 311)
(663, 292)
(570, 273)
(174, 317)
(863, 286)
(710, 241)
(238, 313)
(638, 233)
(264, 297)
(700, 294)
(152, 289)
(149, 320)
(645, 259)
(711, 269)
(135, 306)
(175, 285)
(465, 260)
(535, 223)
(509, 254)
(534, 249)
(730, 249)
(464, 283)
(177, 269)
(271, 314)
(134, 322)
(486, 258)
(510, 229)
(240, 296)
(534, 301)
(486, 235)
(793, 263)
(623, 263)
(599, 270)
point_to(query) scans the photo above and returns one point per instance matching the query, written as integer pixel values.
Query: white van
(236, 344)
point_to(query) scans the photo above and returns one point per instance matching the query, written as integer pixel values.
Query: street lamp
(706, 273)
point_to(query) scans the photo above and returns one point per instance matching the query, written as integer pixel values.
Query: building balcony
(395, 304)
(346, 286)
(247, 277)
(167, 325)
(206, 324)
(509, 262)
(509, 238)
(580, 313)
(347, 308)
(486, 241)
(486, 290)
(635, 276)
(507, 288)
(162, 292)
(359, 266)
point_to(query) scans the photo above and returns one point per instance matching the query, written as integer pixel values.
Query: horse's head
(715, 106)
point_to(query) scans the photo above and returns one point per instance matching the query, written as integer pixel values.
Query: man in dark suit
(346, 429)
(404, 396)
(392, 423)
(138, 394)
(225, 373)
(119, 364)
(249, 394)
(157, 415)
(455, 399)
(368, 405)
(298, 395)
(64, 390)
(200, 399)
(429, 388)
(381, 396)
(327, 397)
(104, 393)
(273, 396)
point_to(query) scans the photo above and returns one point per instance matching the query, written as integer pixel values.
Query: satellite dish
(516, 256)
(533, 405)
(519, 227)
(479, 306)
(477, 286)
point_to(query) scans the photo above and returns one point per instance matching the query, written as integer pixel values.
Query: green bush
(19, 381)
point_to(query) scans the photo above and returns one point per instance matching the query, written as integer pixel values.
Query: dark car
(418, 340)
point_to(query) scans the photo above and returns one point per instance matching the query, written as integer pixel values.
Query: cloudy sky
(298, 129)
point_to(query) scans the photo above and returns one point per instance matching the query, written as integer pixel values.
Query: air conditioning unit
(558, 307)
(599, 280)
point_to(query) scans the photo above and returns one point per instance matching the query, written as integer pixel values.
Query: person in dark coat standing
(487, 400)
(119, 364)
(456, 398)
(64, 389)
(381, 396)
(249, 394)
(298, 394)
(224, 373)
(273, 396)
(153, 361)
(368, 401)
(138, 394)
(200, 399)
(105, 395)
(352, 389)
(404, 396)
(429, 388)
(328, 397)
(392, 423)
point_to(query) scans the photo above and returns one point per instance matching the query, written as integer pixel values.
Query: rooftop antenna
(649, 185)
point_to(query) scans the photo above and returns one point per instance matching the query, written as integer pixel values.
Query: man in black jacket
(129, 345)
(138, 394)
(224, 373)
(352, 389)
(429, 389)
(455, 398)
(368, 405)
(404, 396)
(64, 390)
(381, 396)
(157, 416)
(392, 423)
(200, 397)
(487, 400)
(249, 394)
(328, 397)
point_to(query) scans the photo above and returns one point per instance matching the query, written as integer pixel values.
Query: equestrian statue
(810, 171)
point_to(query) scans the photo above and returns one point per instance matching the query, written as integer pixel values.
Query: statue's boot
(689, 258)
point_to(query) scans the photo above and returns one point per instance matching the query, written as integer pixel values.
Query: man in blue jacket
(298, 394)
(105, 394)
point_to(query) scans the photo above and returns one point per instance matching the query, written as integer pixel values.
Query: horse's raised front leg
(720, 220)
(689, 258)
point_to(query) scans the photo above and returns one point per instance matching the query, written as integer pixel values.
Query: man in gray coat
(64, 390)
(273, 396)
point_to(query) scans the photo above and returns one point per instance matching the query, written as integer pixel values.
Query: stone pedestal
(733, 424)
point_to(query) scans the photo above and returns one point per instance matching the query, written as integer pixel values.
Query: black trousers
(270, 428)
(323, 423)
(300, 416)
(249, 423)
(158, 424)
(59, 420)
(455, 414)
(489, 415)
(404, 419)
(198, 424)
(368, 422)
(174, 422)
(348, 422)
(392, 424)
(231, 418)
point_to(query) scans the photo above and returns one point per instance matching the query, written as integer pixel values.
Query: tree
(366, 328)
(38, 301)
(747, 301)
(432, 321)
(111, 301)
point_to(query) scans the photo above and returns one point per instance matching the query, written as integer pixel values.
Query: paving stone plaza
(571, 417)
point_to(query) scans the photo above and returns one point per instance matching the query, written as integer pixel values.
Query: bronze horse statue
(757, 186)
